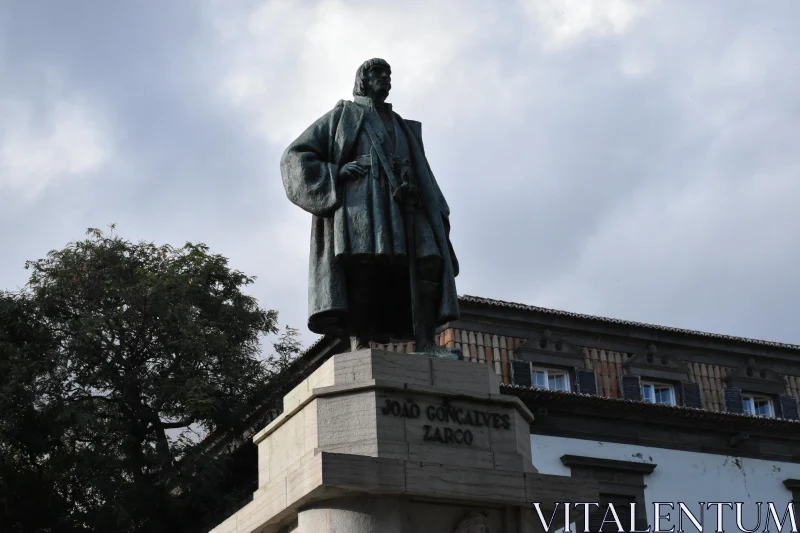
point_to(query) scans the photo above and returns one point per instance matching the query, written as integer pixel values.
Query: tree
(29, 428)
(117, 357)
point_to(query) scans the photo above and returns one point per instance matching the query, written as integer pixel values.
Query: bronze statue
(381, 265)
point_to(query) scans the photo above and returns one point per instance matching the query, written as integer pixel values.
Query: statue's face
(379, 81)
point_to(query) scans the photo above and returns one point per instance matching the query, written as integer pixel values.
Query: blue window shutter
(586, 382)
(632, 388)
(733, 400)
(789, 408)
(521, 373)
(690, 395)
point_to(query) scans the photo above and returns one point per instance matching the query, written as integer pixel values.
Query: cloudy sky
(628, 158)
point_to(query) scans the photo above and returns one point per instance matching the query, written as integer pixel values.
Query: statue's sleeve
(308, 173)
(416, 130)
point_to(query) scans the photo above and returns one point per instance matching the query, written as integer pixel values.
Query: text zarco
(447, 414)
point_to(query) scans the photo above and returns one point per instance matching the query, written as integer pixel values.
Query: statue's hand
(352, 170)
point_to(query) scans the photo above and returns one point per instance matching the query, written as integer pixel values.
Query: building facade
(659, 414)
(695, 422)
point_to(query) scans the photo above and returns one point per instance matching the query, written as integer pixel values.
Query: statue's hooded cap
(360, 86)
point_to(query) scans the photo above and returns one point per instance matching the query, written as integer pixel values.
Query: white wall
(687, 477)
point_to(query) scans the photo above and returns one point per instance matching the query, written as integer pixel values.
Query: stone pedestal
(381, 442)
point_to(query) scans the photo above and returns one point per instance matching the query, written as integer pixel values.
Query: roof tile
(513, 305)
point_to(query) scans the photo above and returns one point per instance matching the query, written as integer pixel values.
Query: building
(669, 415)
(644, 413)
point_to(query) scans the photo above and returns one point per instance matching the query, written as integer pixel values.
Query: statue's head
(473, 523)
(373, 79)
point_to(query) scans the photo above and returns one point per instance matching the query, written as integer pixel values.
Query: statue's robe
(357, 219)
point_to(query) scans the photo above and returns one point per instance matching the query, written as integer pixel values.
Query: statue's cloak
(309, 169)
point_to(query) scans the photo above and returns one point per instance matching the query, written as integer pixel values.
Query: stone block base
(378, 442)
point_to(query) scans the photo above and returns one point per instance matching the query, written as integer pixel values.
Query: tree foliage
(114, 360)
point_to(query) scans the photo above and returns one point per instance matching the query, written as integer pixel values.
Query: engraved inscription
(447, 416)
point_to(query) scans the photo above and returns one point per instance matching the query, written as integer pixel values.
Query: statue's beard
(382, 91)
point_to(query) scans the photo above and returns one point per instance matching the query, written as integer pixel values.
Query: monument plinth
(382, 442)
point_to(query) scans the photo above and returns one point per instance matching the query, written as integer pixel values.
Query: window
(622, 506)
(548, 378)
(620, 483)
(757, 405)
(658, 393)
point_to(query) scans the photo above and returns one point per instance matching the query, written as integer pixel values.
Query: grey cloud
(613, 176)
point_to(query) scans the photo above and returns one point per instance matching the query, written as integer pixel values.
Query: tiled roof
(545, 310)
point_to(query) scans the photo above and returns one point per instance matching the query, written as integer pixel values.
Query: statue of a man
(382, 265)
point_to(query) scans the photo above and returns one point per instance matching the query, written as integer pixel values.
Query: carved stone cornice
(545, 349)
(652, 365)
(751, 377)
(792, 484)
(607, 464)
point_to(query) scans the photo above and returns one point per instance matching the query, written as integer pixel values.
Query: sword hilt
(407, 193)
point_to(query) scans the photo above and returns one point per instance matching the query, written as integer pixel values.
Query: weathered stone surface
(311, 427)
(291, 442)
(296, 437)
(445, 481)
(391, 430)
(305, 478)
(508, 461)
(266, 503)
(342, 437)
(348, 424)
(263, 462)
(357, 421)
(522, 429)
(296, 396)
(369, 474)
(321, 476)
(393, 449)
(321, 377)
(447, 374)
(294, 401)
(365, 365)
(355, 515)
(462, 456)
